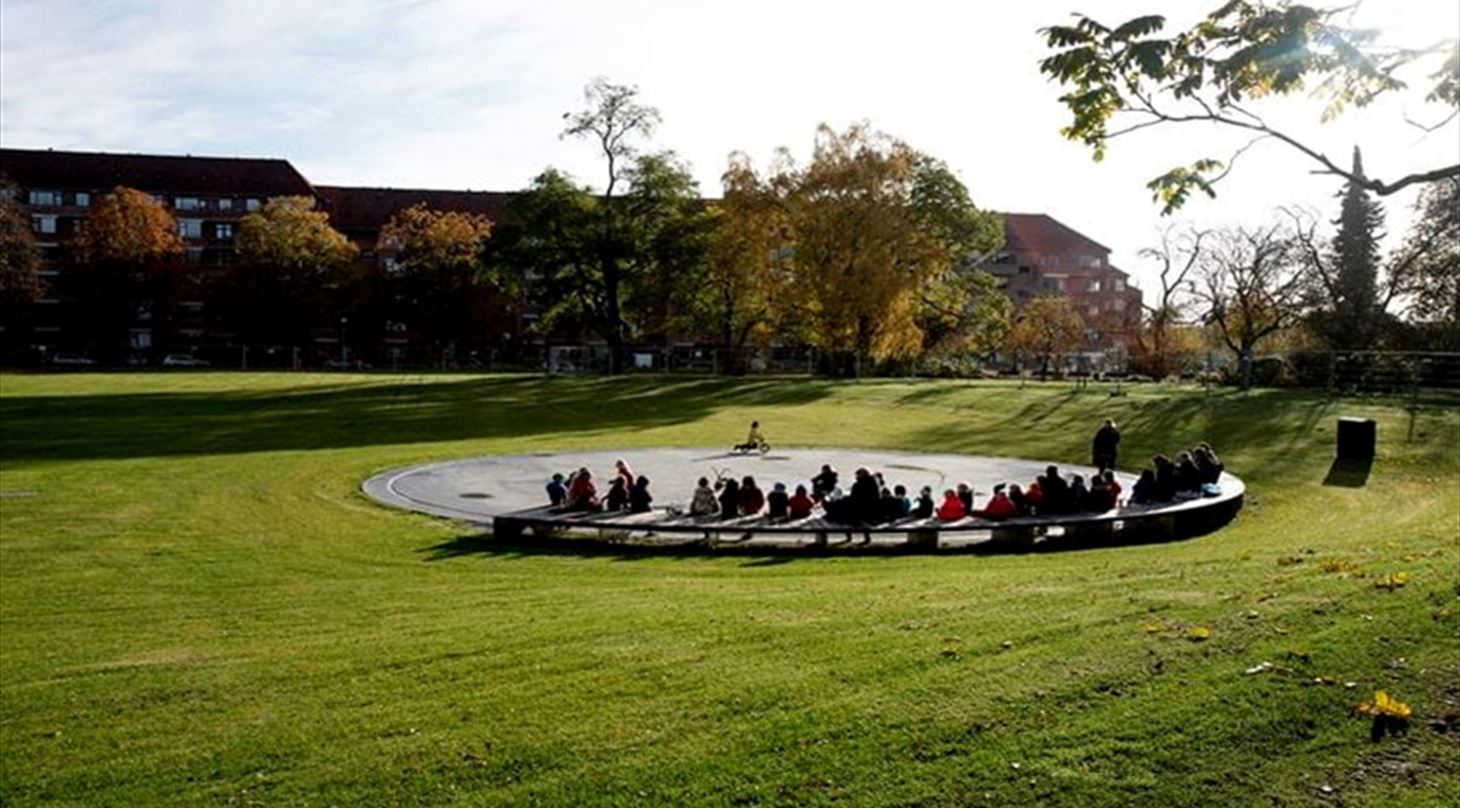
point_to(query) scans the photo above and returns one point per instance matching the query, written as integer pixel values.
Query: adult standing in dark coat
(1107, 438)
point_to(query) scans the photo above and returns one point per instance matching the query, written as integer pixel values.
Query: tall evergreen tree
(1353, 312)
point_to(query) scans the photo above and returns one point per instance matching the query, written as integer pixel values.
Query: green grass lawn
(198, 607)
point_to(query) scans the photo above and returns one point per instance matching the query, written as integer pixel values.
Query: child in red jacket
(1000, 507)
(800, 505)
(952, 508)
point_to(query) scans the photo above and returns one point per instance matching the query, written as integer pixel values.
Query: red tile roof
(102, 171)
(1038, 233)
(359, 209)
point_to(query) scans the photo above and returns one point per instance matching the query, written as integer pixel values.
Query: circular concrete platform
(507, 491)
(480, 488)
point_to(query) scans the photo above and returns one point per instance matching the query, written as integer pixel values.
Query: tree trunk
(863, 347)
(613, 332)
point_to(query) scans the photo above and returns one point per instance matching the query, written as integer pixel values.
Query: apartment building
(1043, 256)
(206, 195)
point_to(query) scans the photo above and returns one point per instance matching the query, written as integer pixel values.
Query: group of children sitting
(578, 492)
(870, 500)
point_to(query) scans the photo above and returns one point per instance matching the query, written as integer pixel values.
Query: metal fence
(1362, 372)
(1337, 373)
(682, 359)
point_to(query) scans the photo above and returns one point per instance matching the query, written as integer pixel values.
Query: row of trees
(1252, 287)
(290, 272)
(867, 251)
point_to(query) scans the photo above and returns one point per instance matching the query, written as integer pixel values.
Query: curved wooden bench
(1178, 519)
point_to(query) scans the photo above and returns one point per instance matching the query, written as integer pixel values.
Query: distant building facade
(208, 196)
(1042, 256)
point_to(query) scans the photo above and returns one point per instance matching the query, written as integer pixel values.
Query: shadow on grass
(1349, 473)
(130, 425)
(768, 555)
(1279, 426)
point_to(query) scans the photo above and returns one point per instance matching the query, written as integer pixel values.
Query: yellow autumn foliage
(1385, 705)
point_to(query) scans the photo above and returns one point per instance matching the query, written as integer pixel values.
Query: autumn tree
(876, 240)
(1131, 77)
(1256, 284)
(1048, 329)
(288, 257)
(20, 259)
(747, 271)
(602, 259)
(1158, 342)
(132, 252)
(291, 238)
(129, 227)
(435, 267)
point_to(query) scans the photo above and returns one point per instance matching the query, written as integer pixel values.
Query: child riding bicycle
(755, 441)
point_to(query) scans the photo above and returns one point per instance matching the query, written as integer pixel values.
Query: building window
(223, 230)
(45, 198)
(1119, 285)
(190, 228)
(1120, 304)
(187, 203)
(1093, 311)
(1093, 285)
(251, 205)
(83, 200)
(43, 224)
(225, 204)
(1024, 270)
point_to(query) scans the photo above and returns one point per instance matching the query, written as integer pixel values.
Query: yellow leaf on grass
(1392, 581)
(1390, 706)
(1199, 633)
(1385, 705)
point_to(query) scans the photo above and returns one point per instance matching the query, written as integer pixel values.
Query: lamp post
(343, 356)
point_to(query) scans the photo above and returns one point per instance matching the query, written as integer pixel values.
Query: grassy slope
(199, 607)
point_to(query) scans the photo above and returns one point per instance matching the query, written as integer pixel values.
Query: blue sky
(462, 94)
